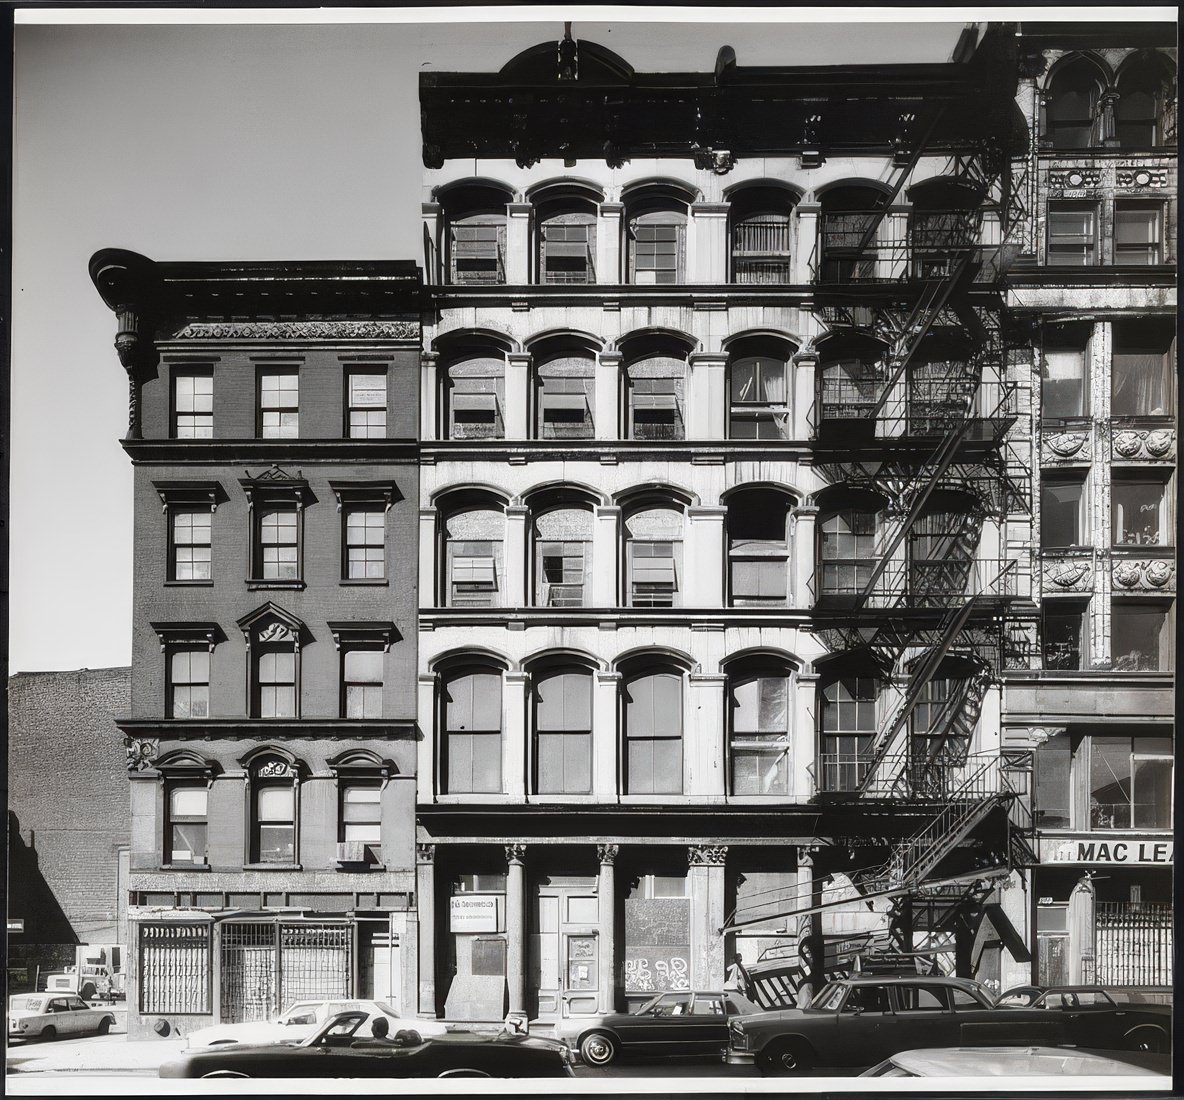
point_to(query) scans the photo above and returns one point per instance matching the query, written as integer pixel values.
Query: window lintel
(348, 493)
(205, 493)
(363, 633)
(276, 484)
(188, 633)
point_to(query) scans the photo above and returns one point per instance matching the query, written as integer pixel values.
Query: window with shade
(758, 548)
(563, 732)
(279, 404)
(565, 396)
(474, 558)
(274, 821)
(563, 558)
(1061, 513)
(759, 726)
(1072, 234)
(567, 242)
(1052, 801)
(657, 245)
(1138, 509)
(759, 407)
(1140, 636)
(1141, 370)
(366, 405)
(1138, 233)
(653, 733)
(472, 728)
(362, 674)
(477, 248)
(360, 820)
(1064, 382)
(1130, 783)
(656, 396)
(189, 682)
(1144, 115)
(654, 557)
(848, 726)
(474, 398)
(187, 822)
(1071, 110)
(193, 404)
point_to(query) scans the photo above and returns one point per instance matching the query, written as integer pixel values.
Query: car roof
(911, 979)
(1012, 1062)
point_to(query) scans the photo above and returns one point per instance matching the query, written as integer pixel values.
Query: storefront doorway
(564, 952)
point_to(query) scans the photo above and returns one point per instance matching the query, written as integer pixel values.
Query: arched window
(653, 556)
(850, 216)
(758, 728)
(563, 557)
(941, 385)
(945, 225)
(565, 393)
(653, 713)
(656, 226)
(476, 234)
(760, 221)
(655, 377)
(758, 383)
(566, 240)
(1144, 115)
(471, 725)
(942, 544)
(475, 396)
(847, 547)
(758, 547)
(1072, 111)
(274, 810)
(474, 563)
(563, 731)
(851, 378)
(848, 727)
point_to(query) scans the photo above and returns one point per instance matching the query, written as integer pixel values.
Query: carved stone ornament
(1067, 444)
(707, 855)
(607, 853)
(1075, 178)
(300, 330)
(274, 769)
(141, 752)
(1152, 443)
(1145, 575)
(719, 161)
(1138, 175)
(1067, 574)
(515, 853)
(425, 853)
(276, 632)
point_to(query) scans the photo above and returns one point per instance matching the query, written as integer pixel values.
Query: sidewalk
(106, 1054)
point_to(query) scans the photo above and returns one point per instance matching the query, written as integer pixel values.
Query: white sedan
(46, 1016)
(301, 1019)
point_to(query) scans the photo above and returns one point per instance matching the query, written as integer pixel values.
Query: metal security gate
(174, 968)
(1134, 944)
(268, 966)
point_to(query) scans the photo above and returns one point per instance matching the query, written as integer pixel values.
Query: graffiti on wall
(657, 969)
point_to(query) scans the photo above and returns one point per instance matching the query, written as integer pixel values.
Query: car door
(922, 1017)
(707, 1026)
(863, 1035)
(64, 1020)
(657, 1029)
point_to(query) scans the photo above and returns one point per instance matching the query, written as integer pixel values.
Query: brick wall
(68, 809)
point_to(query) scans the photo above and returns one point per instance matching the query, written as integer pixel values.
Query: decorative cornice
(257, 729)
(300, 330)
(707, 855)
(363, 633)
(192, 633)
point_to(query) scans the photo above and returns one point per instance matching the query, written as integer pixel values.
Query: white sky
(257, 142)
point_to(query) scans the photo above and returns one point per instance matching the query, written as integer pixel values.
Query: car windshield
(27, 1004)
(647, 1006)
(1074, 998)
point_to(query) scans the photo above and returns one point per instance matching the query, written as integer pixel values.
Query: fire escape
(908, 429)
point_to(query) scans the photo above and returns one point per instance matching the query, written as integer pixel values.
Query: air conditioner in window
(351, 851)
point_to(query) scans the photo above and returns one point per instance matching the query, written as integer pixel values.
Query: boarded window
(489, 958)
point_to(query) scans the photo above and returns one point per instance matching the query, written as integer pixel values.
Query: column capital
(612, 209)
(518, 358)
(710, 209)
(519, 209)
(707, 678)
(515, 678)
(517, 511)
(429, 358)
(515, 854)
(610, 358)
(607, 511)
(706, 511)
(607, 853)
(707, 855)
(708, 358)
(425, 853)
(804, 510)
(431, 208)
(808, 208)
(608, 677)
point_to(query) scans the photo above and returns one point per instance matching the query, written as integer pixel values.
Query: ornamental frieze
(1139, 175)
(1156, 575)
(1075, 178)
(301, 330)
(1157, 443)
(1066, 447)
(1068, 576)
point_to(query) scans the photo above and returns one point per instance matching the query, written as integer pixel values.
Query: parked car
(344, 1047)
(1069, 996)
(46, 1016)
(861, 1021)
(301, 1019)
(1020, 1062)
(692, 1023)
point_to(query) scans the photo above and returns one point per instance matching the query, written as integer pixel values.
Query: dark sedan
(689, 1024)
(860, 1021)
(341, 1047)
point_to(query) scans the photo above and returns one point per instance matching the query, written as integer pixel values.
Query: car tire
(783, 1057)
(49, 1033)
(87, 992)
(598, 1048)
(1153, 1040)
(105, 1026)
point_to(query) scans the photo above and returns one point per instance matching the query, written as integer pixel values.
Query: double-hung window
(1072, 235)
(848, 551)
(563, 733)
(1061, 513)
(193, 404)
(278, 543)
(759, 407)
(654, 579)
(276, 682)
(366, 405)
(561, 574)
(365, 544)
(473, 576)
(189, 682)
(1138, 233)
(760, 735)
(362, 671)
(187, 822)
(478, 249)
(279, 404)
(657, 247)
(565, 410)
(653, 734)
(361, 816)
(567, 249)
(190, 544)
(472, 714)
(1064, 383)
(274, 834)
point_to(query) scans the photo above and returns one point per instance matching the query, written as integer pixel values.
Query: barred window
(175, 968)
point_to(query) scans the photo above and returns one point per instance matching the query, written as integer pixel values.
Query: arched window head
(471, 731)
(565, 393)
(657, 229)
(274, 809)
(1145, 114)
(653, 734)
(476, 234)
(474, 560)
(1072, 111)
(758, 727)
(562, 698)
(475, 395)
(848, 725)
(758, 547)
(566, 229)
(653, 556)
(760, 229)
(563, 557)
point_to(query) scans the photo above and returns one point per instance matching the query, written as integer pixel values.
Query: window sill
(359, 868)
(190, 584)
(365, 582)
(197, 867)
(272, 867)
(253, 585)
